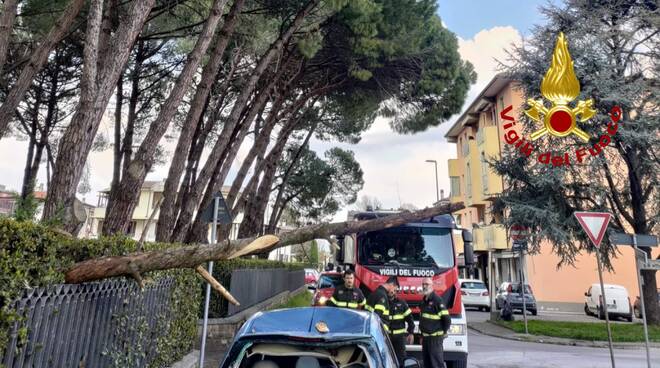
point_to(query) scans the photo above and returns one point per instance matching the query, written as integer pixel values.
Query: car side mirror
(468, 250)
(411, 363)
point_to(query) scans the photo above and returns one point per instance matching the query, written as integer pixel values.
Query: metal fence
(252, 286)
(89, 325)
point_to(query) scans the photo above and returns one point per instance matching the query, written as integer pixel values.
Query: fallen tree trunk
(192, 256)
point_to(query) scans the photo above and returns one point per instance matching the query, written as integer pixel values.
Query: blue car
(312, 338)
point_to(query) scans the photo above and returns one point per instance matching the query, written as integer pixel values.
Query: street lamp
(437, 191)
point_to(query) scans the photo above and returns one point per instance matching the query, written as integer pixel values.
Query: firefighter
(378, 301)
(347, 295)
(400, 316)
(434, 322)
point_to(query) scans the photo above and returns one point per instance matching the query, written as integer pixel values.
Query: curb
(562, 341)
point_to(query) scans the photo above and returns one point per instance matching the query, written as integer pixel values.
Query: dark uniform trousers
(401, 324)
(434, 322)
(432, 353)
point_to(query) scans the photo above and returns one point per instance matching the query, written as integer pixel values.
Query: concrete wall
(568, 283)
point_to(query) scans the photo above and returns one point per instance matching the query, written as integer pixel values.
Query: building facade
(478, 137)
(151, 194)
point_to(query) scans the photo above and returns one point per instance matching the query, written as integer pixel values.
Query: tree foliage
(614, 46)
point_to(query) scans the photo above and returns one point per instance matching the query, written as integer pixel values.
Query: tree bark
(121, 206)
(6, 27)
(79, 135)
(192, 256)
(240, 103)
(116, 149)
(166, 217)
(272, 222)
(36, 62)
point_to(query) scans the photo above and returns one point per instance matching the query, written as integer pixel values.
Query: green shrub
(33, 255)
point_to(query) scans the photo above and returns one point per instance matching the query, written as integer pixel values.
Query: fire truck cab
(411, 252)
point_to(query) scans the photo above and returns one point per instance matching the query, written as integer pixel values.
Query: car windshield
(407, 246)
(330, 281)
(473, 285)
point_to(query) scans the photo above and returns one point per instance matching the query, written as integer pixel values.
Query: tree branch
(192, 256)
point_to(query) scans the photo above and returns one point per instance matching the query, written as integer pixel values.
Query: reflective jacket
(434, 318)
(400, 315)
(347, 298)
(378, 302)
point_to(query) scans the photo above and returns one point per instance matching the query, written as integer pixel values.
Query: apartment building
(150, 195)
(478, 137)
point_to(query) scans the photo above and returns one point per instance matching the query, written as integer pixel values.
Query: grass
(592, 331)
(302, 299)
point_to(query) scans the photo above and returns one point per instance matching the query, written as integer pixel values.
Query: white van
(618, 302)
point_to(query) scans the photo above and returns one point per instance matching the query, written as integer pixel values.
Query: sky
(394, 165)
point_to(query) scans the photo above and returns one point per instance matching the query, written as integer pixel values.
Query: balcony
(479, 237)
(495, 236)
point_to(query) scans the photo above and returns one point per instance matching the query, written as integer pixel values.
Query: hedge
(32, 255)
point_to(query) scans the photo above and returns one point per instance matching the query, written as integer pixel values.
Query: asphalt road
(493, 352)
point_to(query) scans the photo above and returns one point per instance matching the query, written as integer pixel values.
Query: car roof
(471, 280)
(331, 273)
(303, 321)
(609, 286)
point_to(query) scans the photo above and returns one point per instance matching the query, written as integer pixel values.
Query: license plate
(611, 306)
(475, 294)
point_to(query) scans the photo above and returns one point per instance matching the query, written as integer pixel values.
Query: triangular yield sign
(594, 224)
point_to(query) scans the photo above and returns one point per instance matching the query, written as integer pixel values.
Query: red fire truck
(412, 252)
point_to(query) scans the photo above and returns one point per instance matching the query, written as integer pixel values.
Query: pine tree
(614, 46)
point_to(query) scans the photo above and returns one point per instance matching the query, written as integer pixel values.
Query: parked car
(637, 309)
(313, 338)
(512, 292)
(325, 287)
(311, 277)
(618, 302)
(475, 294)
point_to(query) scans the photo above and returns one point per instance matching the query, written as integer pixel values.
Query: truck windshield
(407, 246)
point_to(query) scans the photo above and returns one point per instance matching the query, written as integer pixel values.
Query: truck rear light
(485, 293)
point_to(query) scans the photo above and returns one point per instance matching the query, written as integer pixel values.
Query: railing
(252, 286)
(89, 325)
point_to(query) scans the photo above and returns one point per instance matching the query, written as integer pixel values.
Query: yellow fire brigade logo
(560, 86)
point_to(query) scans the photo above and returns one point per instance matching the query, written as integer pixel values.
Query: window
(455, 186)
(157, 198)
(131, 229)
(458, 219)
(99, 229)
(501, 102)
(468, 181)
(473, 285)
(407, 246)
(493, 116)
(465, 147)
(484, 172)
(330, 281)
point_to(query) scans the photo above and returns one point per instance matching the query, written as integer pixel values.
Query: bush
(33, 255)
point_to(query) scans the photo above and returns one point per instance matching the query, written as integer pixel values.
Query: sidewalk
(492, 329)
